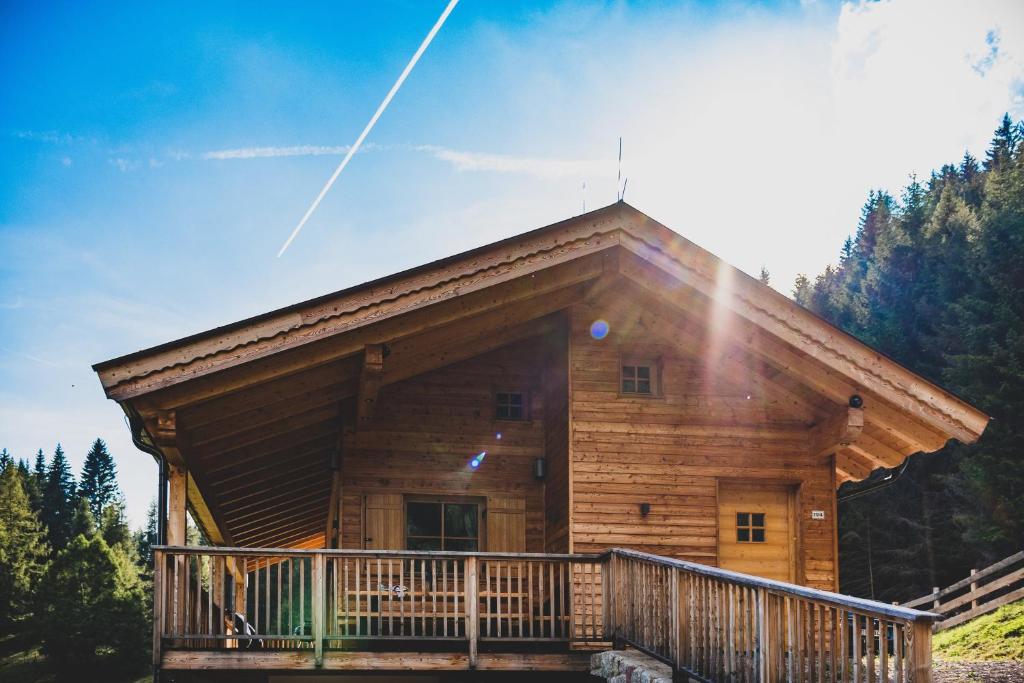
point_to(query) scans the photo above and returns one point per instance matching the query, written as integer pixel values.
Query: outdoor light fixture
(856, 401)
(335, 460)
(540, 468)
(645, 509)
(477, 459)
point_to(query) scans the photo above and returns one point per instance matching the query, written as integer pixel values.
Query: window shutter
(506, 524)
(383, 522)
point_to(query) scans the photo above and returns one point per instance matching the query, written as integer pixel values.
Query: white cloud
(125, 165)
(543, 169)
(66, 161)
(268, 152)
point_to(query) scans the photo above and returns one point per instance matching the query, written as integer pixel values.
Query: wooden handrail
(837, 599)
(713, 624)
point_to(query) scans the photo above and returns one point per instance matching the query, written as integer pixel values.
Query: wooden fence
(709, 624)
(980, 593)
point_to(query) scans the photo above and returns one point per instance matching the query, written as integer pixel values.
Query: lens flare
(477, 459)
(599, 329)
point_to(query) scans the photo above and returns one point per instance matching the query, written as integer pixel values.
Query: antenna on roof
(622, 197)
(618, 180)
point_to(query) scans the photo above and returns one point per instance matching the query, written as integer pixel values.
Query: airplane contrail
(369, 126)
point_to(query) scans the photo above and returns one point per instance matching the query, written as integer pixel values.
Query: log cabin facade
(598, 383)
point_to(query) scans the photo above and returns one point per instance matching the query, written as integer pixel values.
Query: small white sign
(817, 514)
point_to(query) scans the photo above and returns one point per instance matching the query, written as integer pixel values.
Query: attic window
(639, 377)
(510, 405)
(750, 527)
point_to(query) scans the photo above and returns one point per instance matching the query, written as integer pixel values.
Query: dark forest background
(934, 278)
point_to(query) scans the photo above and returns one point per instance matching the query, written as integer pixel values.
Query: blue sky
(153, 158)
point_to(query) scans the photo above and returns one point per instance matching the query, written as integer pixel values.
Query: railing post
(677, 620)
(763, 644)
(158, 608)
(472, 609)
(608, 579)
(318, 608)
(922, 655)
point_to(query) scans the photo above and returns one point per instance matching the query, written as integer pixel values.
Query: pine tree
(146, 538)
(82, 522)
(765, 277)
(93, 614)
(5, 460)
(114, 527)
(99, 479)
(22, 549)
(1004, 144)
(37, 482)
(58, 503)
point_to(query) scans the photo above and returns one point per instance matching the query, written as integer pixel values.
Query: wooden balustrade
(708, 623)
(211, 598)
(718, 625)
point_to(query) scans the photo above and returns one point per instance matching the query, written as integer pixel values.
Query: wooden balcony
(337, 610)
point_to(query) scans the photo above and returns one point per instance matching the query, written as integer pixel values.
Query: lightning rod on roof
(618, 179)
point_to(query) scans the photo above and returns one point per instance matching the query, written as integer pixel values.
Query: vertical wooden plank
(318, 579)
(472, 605)
(159, 596)
(869, 647)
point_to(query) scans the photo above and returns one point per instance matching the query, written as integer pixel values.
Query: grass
(992, 637)
(22, 662)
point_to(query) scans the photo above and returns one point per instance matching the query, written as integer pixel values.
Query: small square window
(750, 527)
(638, 379)
(509, 405)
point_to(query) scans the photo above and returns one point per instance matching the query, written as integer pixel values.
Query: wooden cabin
(431, 470)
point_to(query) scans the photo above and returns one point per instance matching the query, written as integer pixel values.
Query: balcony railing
(712, 624)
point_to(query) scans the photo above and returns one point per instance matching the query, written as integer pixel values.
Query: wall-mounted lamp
(856, 401)
(335, 460)
(645, 509)
(540, 468)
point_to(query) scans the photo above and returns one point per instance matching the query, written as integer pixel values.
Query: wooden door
(506, 524)
(757, 530)
(383, 522)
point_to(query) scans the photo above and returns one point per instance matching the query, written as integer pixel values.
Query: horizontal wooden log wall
(984, 591)
(671, 450)
(426, 429)
(716, 625)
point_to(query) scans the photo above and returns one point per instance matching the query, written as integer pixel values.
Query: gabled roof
(244, 400)
(372, 303)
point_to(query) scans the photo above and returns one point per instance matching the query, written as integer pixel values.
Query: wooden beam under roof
(370, 380)
(837, 432)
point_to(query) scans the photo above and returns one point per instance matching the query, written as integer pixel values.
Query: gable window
(750, 527)
(441, 525)
(510, 405)
(639, 377)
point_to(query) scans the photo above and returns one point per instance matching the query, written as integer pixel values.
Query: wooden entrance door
(757, 530)
(383, 522)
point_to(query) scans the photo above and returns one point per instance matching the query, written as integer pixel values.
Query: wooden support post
(922, 654)
(974, 587)
(177, 479)
(238, 603)
(935, 602)
(319, 596)
(472, 609)
(608, 595)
